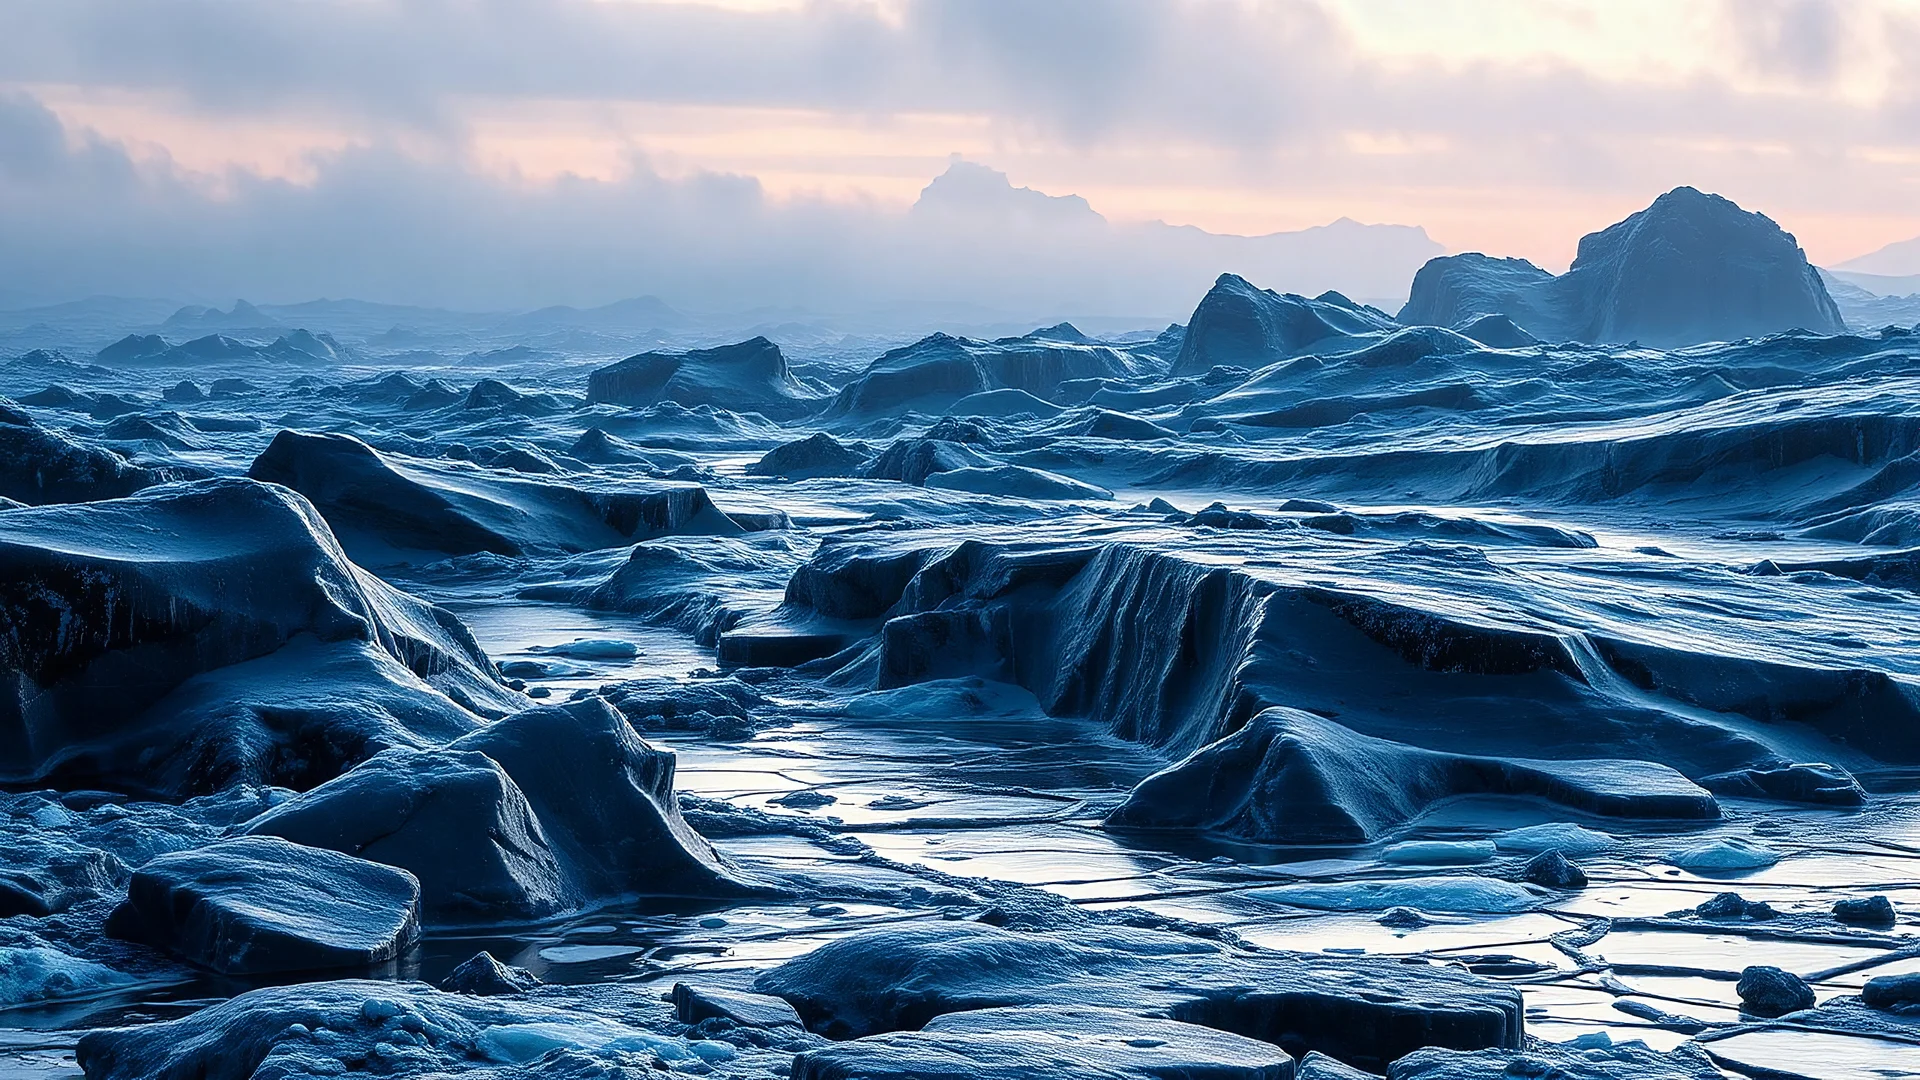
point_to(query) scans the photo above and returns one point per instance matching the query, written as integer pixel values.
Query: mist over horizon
(510, 155)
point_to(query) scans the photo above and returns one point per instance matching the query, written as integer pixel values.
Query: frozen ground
(1254, 671)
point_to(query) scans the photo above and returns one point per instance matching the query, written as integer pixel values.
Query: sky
(518, 152)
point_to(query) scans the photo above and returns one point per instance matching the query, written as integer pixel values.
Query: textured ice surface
(1228, 678)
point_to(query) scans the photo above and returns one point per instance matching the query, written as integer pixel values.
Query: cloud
(80, 216)
(1799, 40)
(1285, 109)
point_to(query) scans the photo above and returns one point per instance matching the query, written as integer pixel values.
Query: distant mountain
(1875, 284)
(970, 192)
(638, 314)
(244, 316)
(1900, 259)
(972, 220)
(94, 314)
(1690, 268)
(1865, 309)
(295, 346)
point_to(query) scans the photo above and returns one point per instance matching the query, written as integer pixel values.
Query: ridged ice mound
(1362, 1010)
(935, 372)
(386, 508)
(1692, 267)
(1436, 697)
(534, 814)
(199, 634)
(1292, 777)
(751, 376)
(1059, 1042)
(1240, 325)
(40, 465)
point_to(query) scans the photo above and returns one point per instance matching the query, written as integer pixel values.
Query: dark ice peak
(1695, 267)
(1239, 324)
(1691, 268)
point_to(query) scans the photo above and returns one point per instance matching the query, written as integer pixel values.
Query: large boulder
(751, 376)
(605, 799)
(453, 819)
(1058, 1042)
(1366, 1011)
(200, 634)
(386, 508)
(1291, 777)
(257, 905)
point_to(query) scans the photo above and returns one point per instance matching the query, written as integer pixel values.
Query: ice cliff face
(199, 634)
(1690, 268)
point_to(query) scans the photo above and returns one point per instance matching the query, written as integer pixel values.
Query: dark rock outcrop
(1768, 991)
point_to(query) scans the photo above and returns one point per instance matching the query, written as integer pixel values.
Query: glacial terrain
(1526, 681)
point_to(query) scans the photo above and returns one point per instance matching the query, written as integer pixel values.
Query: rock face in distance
(1292, 777)
(1366, 1011)
(1690, 268)
(199, 634)
(1241, 325)
(256, 905)
(455, 820)
(1058, 1042)
(384, 507)
(751, 376)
